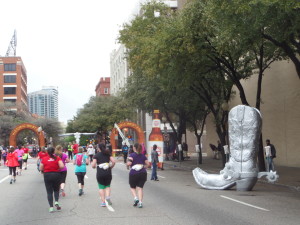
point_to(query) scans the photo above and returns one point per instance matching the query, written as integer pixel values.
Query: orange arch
(26, 126)
(126, 124)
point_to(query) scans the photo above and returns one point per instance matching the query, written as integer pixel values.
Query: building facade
(119, 70)
(44, 102)
(13, 82)
(103, 87)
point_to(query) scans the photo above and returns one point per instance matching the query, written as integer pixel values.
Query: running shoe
(58, 208)
(135, 202)
(103, 204)
(109, 201)
(80, 192)
(51, 210)
(140, 205)
(11, 181)
(14, 180)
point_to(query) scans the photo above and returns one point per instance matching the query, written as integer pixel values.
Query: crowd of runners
(51, 163)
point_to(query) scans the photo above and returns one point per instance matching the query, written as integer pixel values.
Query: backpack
(79, 160)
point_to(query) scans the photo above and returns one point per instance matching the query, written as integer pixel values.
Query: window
(10, 90)
(105, 90)
(13, 101)
(10, 67)
(10, 79)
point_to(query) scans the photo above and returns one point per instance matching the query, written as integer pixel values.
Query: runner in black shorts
(104, 163)
(138, 174)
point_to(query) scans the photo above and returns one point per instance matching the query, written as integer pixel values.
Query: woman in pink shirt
(63, 171)
(20, 153)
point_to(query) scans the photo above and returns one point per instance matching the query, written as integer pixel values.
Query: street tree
(100, 114)
(152, 83)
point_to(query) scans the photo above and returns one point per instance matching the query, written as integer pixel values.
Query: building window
(12, 101)
(10, 67)
(105, 90)
(10, 90)
(10, 79)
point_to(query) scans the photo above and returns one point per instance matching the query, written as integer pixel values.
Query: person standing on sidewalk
(51, 166)
(80, 162)
(70, 151)
(12, 163)
(104, 163)
(138, 174)
(154, 161)
(63, 171)
(270, 154)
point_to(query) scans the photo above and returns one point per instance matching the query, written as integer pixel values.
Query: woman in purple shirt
(138, 174)
(63, 171)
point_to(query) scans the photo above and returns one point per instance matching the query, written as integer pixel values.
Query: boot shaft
(244, 132)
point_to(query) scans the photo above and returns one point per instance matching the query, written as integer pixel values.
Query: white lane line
(5, 178)
(253, 206)
(109, 207)
(157, 175)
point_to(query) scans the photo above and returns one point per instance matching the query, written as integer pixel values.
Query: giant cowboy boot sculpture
(241, 169)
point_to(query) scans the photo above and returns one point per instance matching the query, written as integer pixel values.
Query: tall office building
(13, 82)
(44, 102)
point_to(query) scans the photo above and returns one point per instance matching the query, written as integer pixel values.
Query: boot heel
(246, 184)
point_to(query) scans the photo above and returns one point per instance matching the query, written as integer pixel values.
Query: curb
(190, 168)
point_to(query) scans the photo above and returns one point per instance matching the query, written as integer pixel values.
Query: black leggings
(52, 183)
(70, 155)
(12, 170)
(80, 177)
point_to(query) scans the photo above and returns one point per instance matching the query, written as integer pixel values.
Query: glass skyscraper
(44, 102)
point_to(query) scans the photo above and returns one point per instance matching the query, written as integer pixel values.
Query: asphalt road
(175, 199)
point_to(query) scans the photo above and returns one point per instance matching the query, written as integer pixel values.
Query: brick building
(103, 87)
(13, 82)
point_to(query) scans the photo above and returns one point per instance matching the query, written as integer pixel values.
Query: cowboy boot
(241, 169)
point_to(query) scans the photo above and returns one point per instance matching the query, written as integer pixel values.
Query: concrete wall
(280, 110)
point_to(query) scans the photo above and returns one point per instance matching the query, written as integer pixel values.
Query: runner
(63, 172)
(41, 155)
(75, 148)
(80, 160)
(138, 174)
(102, 161)
(12, 163)
(50, 166)
(25, 156)
(91, 152)
(20, 160)
(4, 155)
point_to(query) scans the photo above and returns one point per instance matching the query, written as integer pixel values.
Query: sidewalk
(288, 176)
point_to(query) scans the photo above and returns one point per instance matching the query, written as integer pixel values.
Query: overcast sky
(64, 43)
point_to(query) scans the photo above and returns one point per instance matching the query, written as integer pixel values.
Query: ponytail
(50, 151)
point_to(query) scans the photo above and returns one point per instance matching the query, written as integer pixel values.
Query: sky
(65, 43)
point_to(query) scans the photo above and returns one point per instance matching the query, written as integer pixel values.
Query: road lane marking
(244, 203)
(5, 178)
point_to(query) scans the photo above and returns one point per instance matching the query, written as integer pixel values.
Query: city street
(174, 199)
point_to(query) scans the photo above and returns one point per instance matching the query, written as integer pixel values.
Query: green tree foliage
(100, 114)
(155, 82)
